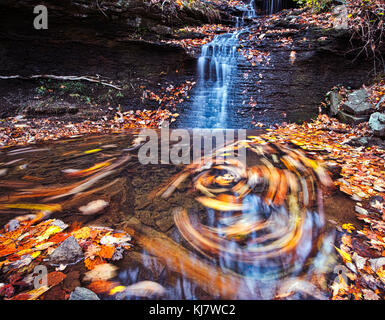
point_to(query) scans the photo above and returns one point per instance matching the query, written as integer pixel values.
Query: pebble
(81, 293)
(69, 252)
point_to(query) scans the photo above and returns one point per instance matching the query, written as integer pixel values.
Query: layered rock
(357, 108)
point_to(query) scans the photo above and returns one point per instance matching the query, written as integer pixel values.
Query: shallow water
(167, 248)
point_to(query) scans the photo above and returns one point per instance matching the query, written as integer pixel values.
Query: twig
(97, 3)
(70, 78)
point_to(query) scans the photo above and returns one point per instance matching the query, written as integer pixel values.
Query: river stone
(165, 223)
(377, 124)
(68, 252)
(358, 103)
(81, 293)
(351, 119)
(335, 100)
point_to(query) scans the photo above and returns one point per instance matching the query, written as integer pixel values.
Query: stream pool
(225, 230)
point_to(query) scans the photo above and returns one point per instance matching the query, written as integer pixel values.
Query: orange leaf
(106, 252)
(102, 286)
(91, 263)
(54, 278)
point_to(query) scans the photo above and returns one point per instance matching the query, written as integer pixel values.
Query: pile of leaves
(229, 3)
(362, 252)
(376, 93)
(20, 131)
(305, 17)
(173, 7)
(200, 35)
(171, 96)
(255, 56)
(363, 256)
(362, 168)
(28, 246)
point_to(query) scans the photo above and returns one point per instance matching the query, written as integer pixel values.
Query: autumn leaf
(102, 286)
(348, 227)
(92, 263)
(106, 252)
(345, 256)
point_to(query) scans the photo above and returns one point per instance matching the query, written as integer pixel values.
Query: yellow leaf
(219, 205)
(348, 227)
(35, 254)
(23, 252)
(32, 206)
(117, 290)
(83, 233)
(346, 256)
(381, 273)
(51, 230)
(92, 151)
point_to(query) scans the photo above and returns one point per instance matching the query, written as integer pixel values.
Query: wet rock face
(283, 90)
(377, 124)
(82, 47)
(67, 253)
(133, 13)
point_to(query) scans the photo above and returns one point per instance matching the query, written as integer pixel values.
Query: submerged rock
(93, 207)
(377, 124)
(81, 293)
(145, 289)
(68, 252)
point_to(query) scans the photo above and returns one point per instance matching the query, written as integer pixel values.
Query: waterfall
(250, 13)
(273, 6)
(217, 62)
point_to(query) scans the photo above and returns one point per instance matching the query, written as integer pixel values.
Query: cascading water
(272, 6)
(250, 9)
(216, 65)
